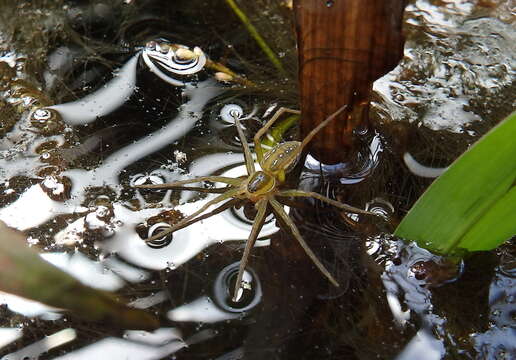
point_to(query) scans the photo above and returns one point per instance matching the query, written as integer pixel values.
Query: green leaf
(277, 131)
(471, 206)
(25, 273)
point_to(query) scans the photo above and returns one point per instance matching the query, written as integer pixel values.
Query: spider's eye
(260, 183)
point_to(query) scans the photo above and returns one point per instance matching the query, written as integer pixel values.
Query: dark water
(67, 184)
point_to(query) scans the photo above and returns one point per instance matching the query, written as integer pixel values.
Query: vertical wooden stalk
(344, 46)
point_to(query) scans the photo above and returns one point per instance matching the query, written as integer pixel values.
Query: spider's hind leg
(337, 204)
(278, 210)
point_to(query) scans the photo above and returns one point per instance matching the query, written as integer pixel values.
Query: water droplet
(329, 3)
(248, 296)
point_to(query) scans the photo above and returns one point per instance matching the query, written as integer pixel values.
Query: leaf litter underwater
(136, 115)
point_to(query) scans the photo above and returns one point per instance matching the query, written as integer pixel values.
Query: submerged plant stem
(277, 132)
(222, 68)
(256, 35)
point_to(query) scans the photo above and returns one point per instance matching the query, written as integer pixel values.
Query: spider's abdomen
(282, 157)
(260, 183)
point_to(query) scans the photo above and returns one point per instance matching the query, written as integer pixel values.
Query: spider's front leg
(249, 161)
(261, 206)
(179, 185)
(278, 210)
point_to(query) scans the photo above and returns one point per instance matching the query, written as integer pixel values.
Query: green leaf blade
(469, 190)
(497, 224)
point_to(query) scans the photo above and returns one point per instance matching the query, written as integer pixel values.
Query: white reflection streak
(236, 354)
(34, 207)
(8, 335)
(423, 346)
(139, 345)
(421, 170)
(52, 341)
(103, 101)
(26, 307)
(87, 271)
(186, 243)
(200, 310)
(118, 349)
(399, 315)
(189, 113)
(158, 337)
(392, 292)
(148, 301)
(126, 271)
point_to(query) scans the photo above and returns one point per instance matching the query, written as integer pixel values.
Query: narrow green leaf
(471, 206)
(500, 221)
(25, 273)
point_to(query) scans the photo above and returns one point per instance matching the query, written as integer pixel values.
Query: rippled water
(122, 121)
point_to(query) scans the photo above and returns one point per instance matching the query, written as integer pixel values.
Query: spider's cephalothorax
(262, 187)
(259, 184)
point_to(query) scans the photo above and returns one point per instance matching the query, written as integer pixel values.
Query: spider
(261, 187)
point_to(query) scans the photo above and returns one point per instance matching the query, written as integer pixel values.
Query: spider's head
(260, 183)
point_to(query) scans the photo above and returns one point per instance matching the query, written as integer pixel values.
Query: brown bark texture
(344, 46)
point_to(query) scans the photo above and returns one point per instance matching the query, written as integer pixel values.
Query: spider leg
(257, 145)
(257, 226)
(201, 189)
(338, 204)
(228, 194)
(176, 184)
(278, 210)
(314, 131)
(215, 211)
(249, 161)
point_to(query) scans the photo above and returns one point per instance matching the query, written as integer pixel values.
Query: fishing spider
(261, 187)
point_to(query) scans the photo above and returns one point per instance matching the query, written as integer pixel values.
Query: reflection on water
(117, 223)
(498, 340)
(421, 170)
(444, 89)
(34, 350)
(105, 100)
(8, 336)
(137, 345)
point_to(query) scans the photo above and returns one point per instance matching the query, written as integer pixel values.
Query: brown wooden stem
(344, 46)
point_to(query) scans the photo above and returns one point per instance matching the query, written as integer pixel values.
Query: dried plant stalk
(344, 46)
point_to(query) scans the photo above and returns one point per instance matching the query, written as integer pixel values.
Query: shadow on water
(90, 107)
